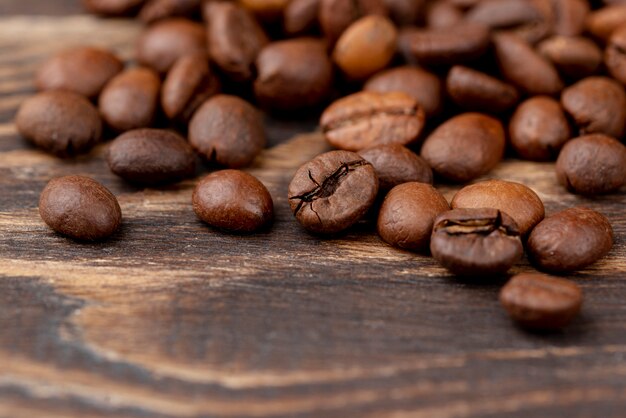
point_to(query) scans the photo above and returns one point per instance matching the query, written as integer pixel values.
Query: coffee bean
(301, 16)
(574, 57)
(442, 14)
(268, 11)
(465, 147)
(227, 130)
(366, 119)
(570, 240)
(60, 122)
(597, 105)
(406, 216)
(537, 301)
(84, 70)
(154, 10)
(79, 207)
(518, 201)
(569, 16)
(111, 7)
(478, 91)
(336, 15)
(130, 100)
(602, 22)
(164, 42)
(615, 54)
(395, 164)
(592, 164)
(477, 241)
(405, 12)
(151, 156)
(539, 128)
(233, 201)
(332, 192)
(504, 14)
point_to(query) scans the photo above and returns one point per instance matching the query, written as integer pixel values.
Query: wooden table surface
(172, 319)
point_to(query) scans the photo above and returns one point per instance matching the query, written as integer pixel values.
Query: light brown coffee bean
(396, 164)
(602, 22)
(574, 57)
(478, 91)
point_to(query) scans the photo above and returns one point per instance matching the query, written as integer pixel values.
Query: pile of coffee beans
(410, 92)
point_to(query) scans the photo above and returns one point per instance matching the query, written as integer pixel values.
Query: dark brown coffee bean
(478, 91)
(366, 119)
(60, 122)
(84, 70)
(268, 11)
(80, 207)
(602, 22)
(539, 128)
(569, 16)
(130, 99)
(442, 14)
(235, 38)
(336, 15)
(570, 240)
(166, 41)
(423, 86)
(597, 105)
(518, 201)
(465, 147)
(151, 156)
(478, 241)
(155, 10)
(396, 164)
(406, 216)
(615, 54)
(537, 301)
(574, 57)
(112, 7)
(227, 130)
(405, 12)
(189, 83)
(332, 192)
(592, 164)
(301, 16)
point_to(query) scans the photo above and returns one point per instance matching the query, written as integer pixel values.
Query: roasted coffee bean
(442, 14)
(155, 10)
(151, 156)
(84, 70)
(478, 91)
(465, 147)
(602, 22)
(504, 14)
(516, 200)
(233, 201)
(539, 128)
(235, 38)
(366, 47)
(80, 207)
(189, 83)
(537, 301)
(227, 130)
(130, 100)
(301, 16)
(167, 40)
(268, 11)
(478, 241)
(336, 15)
(592, 164)
(112, 7)
(406, 216)
(332, 192)
(570, 240)
(366, 119)
(293, 74)
(597, 105)
(60, 122)
(569, 16)
(615, 54)
(574, 57)
(396, 164)
(405, 12)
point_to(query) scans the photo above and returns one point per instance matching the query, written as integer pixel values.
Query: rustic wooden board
(171, 319)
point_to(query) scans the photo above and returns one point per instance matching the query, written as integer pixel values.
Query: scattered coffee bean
(569, 16)
(154, 10)
(615, 54)
(574, 57)
(112, 7)
(395, 164)
(504, 14)
(478, 91)
(336, 15)
(301, 16)
(602, 22)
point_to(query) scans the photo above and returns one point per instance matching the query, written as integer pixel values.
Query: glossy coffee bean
(83, 70)
(539, 128)
(396, 164)
(615, 54)
(227, 130)
(516, 200)
(60, 122)
(477, 241)
(332, 192)
(602, 23)
(366, 119)
(537, 301)
(80, 208)
(151, 156)
(478, 91)
(154, 10)
(574, 57)
(111, 7)
(592, 164)
(336, 15)
(405, 219)
(130, 100)
(301, 16)
(465, 147)
(570, 240)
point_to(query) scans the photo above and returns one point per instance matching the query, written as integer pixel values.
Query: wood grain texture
(172, 319)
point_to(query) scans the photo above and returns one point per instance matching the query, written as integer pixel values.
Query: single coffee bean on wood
(570, 240)
(336, 15)
(112, 7)
(233, 201)
(154, 10)
(301, 16)
(60, 122)
(478, 91)
(366, 119)
(80, 207)
(574, 57)
(602, 23)
(592, 164)
(476, 241)
(541, 302)
(615, 54)
(332, 192)
(405, 219)
(395, 164)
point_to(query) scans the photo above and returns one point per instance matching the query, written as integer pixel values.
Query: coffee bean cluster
(410, 91)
